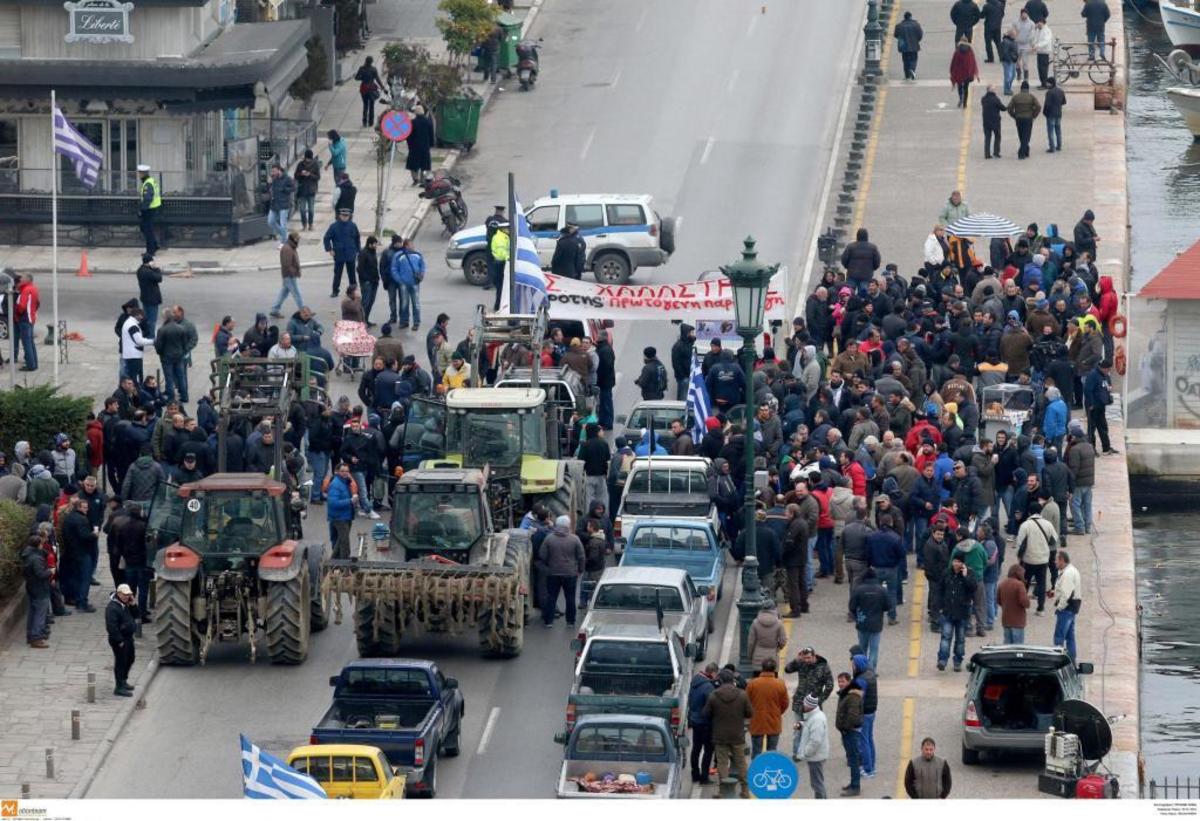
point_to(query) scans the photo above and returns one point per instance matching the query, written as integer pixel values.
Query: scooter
(527, 63)
(446, 193)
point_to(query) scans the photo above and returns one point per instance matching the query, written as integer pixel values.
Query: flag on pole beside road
(530, 281)
(698, 400)
(76, 147)
(265, 776)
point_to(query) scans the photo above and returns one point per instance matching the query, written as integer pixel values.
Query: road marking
(906, 737)
(487, 731)
(753, 23)
(587, 144)
(916, 625)
(616, 79)
(964, 147)
(733, 78)
(876, 124)
(731, 622)
(641, 19)
(708, 146)
(678, 226)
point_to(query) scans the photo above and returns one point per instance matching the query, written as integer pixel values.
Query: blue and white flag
(697, 399)
(77, 148)
(265, 776)
(530, 290)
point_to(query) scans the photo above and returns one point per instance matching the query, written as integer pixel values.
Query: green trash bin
(458, 121)
(507, 59)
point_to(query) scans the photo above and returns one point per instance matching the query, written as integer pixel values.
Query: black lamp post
(872, 41)
(750, 281)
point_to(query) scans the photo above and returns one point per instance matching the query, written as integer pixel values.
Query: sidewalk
(339, 109)
(920, 148)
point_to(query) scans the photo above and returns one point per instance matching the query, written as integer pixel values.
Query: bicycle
(772, 780)
(1071, 60)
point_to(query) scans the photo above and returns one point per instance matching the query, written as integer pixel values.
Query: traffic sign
(395, 125)
(772, 775)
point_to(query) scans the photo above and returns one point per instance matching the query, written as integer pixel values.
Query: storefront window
(9, 153)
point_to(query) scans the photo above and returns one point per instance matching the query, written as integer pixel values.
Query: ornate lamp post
(873, 41)
(750, 281)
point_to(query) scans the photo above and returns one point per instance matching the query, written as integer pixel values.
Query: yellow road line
(964, 147)
(916, 624)
(906, 739)
(864, 190)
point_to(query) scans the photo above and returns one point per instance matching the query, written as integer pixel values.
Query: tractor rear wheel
(568, 499)
(387, 644)
(519, 554)
(178, 643)
(508, 622)
(287, 619)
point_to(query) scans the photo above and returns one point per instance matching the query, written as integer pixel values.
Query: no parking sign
(395, 125)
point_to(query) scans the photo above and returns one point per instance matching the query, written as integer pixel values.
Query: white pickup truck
(624, 745)
(673, 487)
(634, 595)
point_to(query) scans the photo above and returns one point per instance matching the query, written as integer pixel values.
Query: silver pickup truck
(673, 487)
(634, 595)
(621, 745)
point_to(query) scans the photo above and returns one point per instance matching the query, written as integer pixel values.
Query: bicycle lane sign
(772, 775)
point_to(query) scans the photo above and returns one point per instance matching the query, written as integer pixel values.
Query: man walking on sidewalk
(121, 626)
(964, 14)
(993, 22)
(289, 271)
(1052, 108)
(1024, 108)
(908, 36)
(993, 107)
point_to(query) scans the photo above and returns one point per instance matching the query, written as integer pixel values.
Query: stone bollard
(728, 788)
(74, 725)
(25, 790)
(50, 763)
(91, 688)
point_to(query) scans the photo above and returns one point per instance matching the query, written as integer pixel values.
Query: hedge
(36, 414)
(15, 523)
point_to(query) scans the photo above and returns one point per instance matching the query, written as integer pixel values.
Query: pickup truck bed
(371, 714)
(660, 772)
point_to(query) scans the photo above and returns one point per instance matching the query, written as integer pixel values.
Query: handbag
(1073, 604)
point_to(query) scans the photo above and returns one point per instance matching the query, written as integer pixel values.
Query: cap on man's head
(143, 167)
(147, 258)
(124, 590)
(409, 359)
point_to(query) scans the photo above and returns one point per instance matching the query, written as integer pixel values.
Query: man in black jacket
(818, 317)
(908, 35)
(37, 574)
(861, 260)
(1096, 13)
(993, 107)
(149, 276)
(1037, 10)
(653, 378)
(130, 537)
(965, 15)
(606, 380)
(121, 627)
(681, 359)
(1052, 110)
(368, 277)
(570, 254)
(958, 602)
(79, 545)
(595, 454)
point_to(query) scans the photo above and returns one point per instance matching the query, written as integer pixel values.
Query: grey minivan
(1012, 693)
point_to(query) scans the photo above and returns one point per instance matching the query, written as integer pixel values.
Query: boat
(1181, 19)
(1142, 5)
(1187, 100)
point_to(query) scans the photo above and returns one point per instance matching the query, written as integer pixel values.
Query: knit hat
(712, 423)
(1013, 315)
(810, 702)
(952, 407)
(1039, 259)
(562, 525)
(1043, 304)
(649, 352)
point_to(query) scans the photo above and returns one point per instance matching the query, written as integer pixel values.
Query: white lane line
(753, 23)
(731, 622)
(487, 731)
(678, 224)
(708, 147)
(641, 19)
(587, 144)
(733, 78)
(616, 78)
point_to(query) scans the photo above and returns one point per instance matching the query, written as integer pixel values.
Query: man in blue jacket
(1054, 423)
(343, 244)
(886, 556)
(339, 492)
(703, 683)
(408, 272)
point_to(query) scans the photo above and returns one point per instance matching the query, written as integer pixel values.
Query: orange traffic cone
(83, 266)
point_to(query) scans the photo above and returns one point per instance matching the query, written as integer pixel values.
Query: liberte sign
(99, 21)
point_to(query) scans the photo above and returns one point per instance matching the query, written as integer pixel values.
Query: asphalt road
(724, 113)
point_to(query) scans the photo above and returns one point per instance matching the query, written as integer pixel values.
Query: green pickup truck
(632, 669)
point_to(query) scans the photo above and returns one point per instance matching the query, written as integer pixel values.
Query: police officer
(491, 225)
(151, 201)
(499, 249)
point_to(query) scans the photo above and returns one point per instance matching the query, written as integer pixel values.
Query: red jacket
(28, 302)
(1106, 306)
(824, 518)
(913, 440)
(95, 440)
(963, 68)
(858, 478)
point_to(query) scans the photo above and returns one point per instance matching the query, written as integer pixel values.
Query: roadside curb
(114, 731)
(10, 616)
(411, 226)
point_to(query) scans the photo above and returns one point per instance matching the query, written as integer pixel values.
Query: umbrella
(983, 225)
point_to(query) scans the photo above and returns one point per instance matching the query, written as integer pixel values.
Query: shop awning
(242, 56)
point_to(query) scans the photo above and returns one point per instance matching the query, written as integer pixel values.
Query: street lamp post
(872, 41)
(750, 281)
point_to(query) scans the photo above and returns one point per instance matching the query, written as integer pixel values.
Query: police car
(622, 233)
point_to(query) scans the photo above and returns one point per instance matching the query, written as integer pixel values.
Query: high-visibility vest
(155, 200)
(500, 246)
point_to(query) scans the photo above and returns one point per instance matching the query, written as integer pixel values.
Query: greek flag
(530, 281)
(265, 776)
(698, 401)
(76, 147)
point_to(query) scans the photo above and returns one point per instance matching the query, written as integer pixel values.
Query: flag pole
(513, 236)
(54, 234)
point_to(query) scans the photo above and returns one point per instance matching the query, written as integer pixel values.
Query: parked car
(405, 707)
(657, 487)
(622, 233)
(632, 669)
(636, 595)
(349, 770)
(685, 544)
(623, 745)
(1012, 693)
(657, 414)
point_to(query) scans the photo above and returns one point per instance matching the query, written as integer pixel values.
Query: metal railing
(1071, 60)
(116, 183)
(1168, 789)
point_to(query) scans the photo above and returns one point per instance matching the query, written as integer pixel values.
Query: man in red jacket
(25, 313)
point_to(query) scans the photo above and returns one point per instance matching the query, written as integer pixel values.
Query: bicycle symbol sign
(395, 125)
(772, 775)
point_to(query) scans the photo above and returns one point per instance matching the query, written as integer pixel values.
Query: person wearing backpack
(408, 272)
(653, 379)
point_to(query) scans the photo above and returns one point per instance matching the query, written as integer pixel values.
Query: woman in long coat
(420, 142)
(963, 70)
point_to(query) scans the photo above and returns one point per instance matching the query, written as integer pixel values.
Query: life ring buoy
(1117, 326)
(1119, 361)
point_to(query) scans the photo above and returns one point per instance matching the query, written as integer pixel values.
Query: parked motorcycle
(527, 63)
(446, 193)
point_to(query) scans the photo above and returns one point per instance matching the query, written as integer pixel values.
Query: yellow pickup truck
(348, 770)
